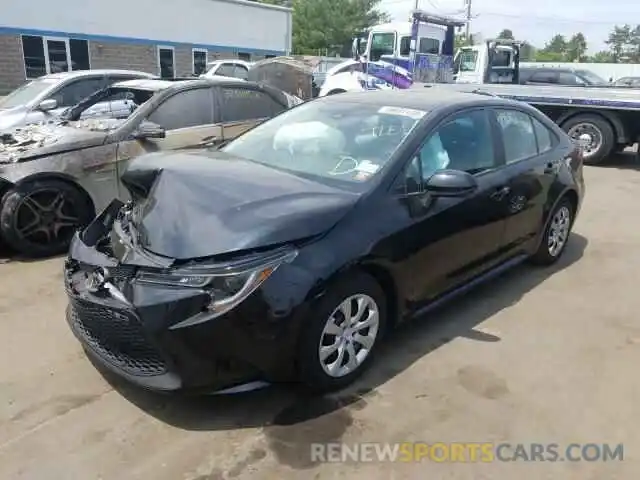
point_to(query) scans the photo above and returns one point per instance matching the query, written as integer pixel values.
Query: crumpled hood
(36, 140)
(195, 205)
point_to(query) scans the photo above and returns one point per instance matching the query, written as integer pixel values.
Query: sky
(543, 18)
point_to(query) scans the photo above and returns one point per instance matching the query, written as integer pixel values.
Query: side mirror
(47, 105)
(451, 183)
(149, 130)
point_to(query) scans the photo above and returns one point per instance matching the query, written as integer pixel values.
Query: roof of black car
(427, 99)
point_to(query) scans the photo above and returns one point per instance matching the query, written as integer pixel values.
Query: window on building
(43, 55)
(189, 108)
(166, 62)
(79, 51)
(239, 104)
(35, 61)
(199, 61)
(244, 56)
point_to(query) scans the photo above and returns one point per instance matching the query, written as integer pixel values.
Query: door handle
(500, 193)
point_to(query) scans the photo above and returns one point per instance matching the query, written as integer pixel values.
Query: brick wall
(11, 63)
(124, 56)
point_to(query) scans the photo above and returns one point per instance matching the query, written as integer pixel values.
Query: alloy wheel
(559, 231)
(45, 217)
(349, 335)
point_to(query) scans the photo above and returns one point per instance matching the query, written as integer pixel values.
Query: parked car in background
(290, 252)
(228, 68)
(44, 98)
(54, 177)
(559, 76)
(627, 82)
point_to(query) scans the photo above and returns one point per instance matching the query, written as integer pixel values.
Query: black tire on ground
(543, 255)
(608, 143)
(311, 372)
(336, 91)
(61, 208)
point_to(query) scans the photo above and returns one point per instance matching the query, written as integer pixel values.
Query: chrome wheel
(559, 231)
(349, 335)
(588, 136)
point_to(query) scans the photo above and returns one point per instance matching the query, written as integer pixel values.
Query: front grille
(117, 337)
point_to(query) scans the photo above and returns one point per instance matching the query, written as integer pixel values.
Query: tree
(326, 26)
(461, 41)
(576, 48)
(554, 51)
(506, 34)
(602, 57)
(619, 41)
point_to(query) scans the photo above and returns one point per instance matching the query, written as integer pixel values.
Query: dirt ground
(536, 356)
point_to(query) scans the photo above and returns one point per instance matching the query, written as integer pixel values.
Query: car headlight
(228, 284)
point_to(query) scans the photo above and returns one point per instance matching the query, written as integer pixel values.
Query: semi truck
(602, 120)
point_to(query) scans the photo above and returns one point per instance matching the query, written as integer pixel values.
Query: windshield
(381, 44)
(468, 59)
(337, 143)
(591, 77)
(27, 93)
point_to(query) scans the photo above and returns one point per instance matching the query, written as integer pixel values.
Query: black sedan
(289, 253)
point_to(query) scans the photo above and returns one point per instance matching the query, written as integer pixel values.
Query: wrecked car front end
(169, 327)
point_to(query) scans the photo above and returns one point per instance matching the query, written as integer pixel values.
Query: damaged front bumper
(154, 331)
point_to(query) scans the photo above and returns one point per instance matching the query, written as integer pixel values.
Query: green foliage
(326, 26)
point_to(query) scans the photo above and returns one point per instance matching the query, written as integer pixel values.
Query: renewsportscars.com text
(466, 452)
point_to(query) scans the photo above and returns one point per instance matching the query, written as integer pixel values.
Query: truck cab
(494, 61)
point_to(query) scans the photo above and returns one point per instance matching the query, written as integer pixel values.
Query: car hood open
(207, 203)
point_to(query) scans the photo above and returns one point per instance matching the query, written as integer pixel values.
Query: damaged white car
(55, 176)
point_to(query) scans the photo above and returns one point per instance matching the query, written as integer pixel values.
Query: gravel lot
(536, 356)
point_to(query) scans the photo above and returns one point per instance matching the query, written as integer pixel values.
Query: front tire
(556, 234)
(39, 218)
(343, 333)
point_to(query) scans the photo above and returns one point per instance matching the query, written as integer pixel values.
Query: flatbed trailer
(605, 120)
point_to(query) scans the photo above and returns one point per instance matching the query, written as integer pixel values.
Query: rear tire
(39, 218)
(341, 336)
(556, 234)
(599, 130)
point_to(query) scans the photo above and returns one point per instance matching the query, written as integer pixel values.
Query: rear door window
(240, 104)
(185, 109)
(518, 136)
(544, 77)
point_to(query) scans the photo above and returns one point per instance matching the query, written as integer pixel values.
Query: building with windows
(167, 38)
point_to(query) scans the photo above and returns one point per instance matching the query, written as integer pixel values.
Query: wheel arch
(61, 177)
(381, 273)
(568, 194)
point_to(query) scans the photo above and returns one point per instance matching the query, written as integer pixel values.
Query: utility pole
(467, 34)
(417, 6)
